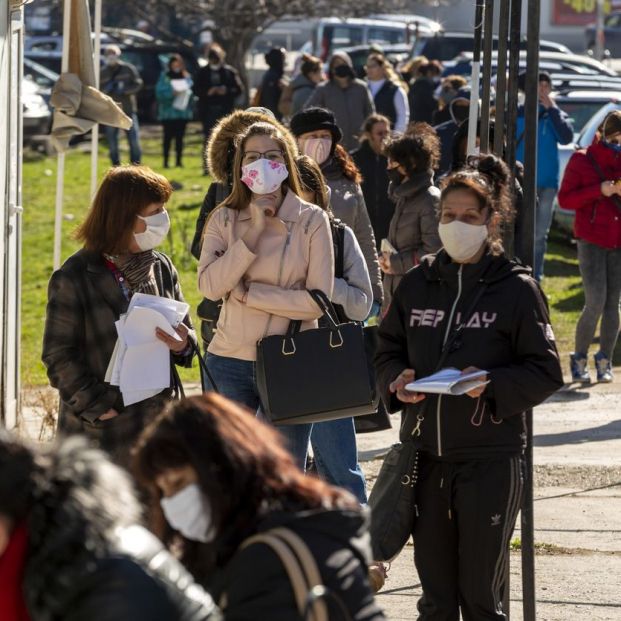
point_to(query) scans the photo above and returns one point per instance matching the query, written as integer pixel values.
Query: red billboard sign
(578, 12)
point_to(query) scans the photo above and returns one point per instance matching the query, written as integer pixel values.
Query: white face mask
(112, 59)
(189, 512)
(158, 226)
(462, 241)
(317, 148)
(264, 176)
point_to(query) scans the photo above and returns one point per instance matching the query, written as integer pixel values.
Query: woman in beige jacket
(263, 249)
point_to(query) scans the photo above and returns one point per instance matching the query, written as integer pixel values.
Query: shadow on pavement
(610, 431)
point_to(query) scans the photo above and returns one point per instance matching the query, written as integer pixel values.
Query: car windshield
(580, 112)
(589, 130)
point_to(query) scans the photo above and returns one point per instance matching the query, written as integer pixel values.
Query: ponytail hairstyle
(346, 164)
(488, 178)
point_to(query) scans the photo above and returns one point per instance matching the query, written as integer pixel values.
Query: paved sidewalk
(577, 459)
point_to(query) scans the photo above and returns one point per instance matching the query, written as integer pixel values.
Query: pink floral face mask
(264, 176)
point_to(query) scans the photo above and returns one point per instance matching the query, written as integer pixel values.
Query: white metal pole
(95, 130)
(60, 172)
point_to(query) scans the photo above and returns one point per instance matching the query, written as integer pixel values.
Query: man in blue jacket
(554, 128)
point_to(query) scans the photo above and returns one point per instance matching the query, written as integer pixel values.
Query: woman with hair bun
(487, 313)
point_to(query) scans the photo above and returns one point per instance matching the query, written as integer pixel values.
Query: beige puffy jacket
(294, 254)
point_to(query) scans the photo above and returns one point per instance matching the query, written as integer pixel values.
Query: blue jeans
(543, 221)
(236, 380)
(336, 456)
(133, 137)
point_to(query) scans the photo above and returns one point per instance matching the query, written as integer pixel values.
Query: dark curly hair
(417, 150)
(488, 178)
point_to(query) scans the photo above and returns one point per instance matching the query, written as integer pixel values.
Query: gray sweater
(347, 203)
(351, 106)
(353, 292)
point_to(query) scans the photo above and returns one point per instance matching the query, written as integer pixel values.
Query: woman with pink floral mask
(263, 249)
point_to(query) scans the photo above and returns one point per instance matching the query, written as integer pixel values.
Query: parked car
(37, 116)
(580, 106)
(612, 35)
(331, 33)
(147, 54)
(359, 54)
(43, 77)
(563, 218)
(445, 46)
(552, 62)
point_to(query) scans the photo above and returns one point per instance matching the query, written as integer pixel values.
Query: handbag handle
(203, 367)
(325, 305)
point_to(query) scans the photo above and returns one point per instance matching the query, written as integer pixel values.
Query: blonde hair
(240, 195)
(389, 71)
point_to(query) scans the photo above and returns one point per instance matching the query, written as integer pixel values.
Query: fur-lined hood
(220, 148)
(79, 502)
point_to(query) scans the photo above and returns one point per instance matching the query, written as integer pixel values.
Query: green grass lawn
(562, 283)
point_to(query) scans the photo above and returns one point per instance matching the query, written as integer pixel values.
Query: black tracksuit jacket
(508, 334)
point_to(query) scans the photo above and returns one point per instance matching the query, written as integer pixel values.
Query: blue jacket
(164, 93)
(554, 128)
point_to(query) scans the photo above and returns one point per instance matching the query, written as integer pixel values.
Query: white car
(37, 116)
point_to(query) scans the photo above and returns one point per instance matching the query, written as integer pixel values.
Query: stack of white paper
(182, 99)
(449, 381)
(140, 362)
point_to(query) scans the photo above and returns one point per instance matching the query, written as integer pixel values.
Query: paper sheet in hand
(180, 85)
(173, 310)
(449, 381)
(140, 324)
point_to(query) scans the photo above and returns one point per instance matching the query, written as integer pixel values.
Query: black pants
(467, 512)
(209, 118)
(174, 129)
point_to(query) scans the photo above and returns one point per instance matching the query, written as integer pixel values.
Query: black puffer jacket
(375, 189)
(87, 562)
(257, 587)
(508, 334)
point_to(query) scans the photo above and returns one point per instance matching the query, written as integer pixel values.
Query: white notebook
(449, 381)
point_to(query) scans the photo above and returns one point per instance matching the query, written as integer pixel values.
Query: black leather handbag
(393, 501)
(315, 375)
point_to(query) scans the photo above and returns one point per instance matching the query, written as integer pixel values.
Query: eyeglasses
(274, 155)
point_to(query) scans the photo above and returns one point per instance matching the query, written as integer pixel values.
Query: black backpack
(338, 241)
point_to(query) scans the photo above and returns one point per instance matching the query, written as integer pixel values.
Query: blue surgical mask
(612, 145)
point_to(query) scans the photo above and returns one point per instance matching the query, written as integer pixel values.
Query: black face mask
(344, 71)
(394, 176)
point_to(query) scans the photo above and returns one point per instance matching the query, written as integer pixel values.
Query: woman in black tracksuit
(470, 478)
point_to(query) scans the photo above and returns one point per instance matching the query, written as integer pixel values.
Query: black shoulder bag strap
(164, 276)
(598, 169)
(450, 345)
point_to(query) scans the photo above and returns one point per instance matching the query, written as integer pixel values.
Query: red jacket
(598, 219)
